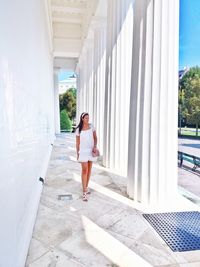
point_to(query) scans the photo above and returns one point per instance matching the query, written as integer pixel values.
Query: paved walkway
(108, 230)
(189, 146)
(189, 180)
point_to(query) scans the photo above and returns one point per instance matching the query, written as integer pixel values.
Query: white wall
(26, 122)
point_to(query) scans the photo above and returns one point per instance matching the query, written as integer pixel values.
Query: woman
(86, 143)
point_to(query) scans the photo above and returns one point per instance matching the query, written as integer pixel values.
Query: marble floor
(108, 230)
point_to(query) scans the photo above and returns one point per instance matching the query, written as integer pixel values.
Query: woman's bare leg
(89, 172)
(84, 174)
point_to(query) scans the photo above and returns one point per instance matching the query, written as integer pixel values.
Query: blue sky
(189, 35)
(63, 75)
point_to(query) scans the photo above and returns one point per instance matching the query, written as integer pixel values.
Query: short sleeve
(92, 127)
(77, 132)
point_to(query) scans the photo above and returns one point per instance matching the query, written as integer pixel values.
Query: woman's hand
(94, 149)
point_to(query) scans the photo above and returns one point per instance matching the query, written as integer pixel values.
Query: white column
(99, 29)
(100, 120)
(89, 46)
(56, 103)
(85, 70)
(83, 77)
(152, 164)
(118, 77)
(78, 93)
(125, 85)
(92, 76)
(95, 76)
(84, 82)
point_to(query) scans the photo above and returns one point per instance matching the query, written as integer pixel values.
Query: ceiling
(70, 20)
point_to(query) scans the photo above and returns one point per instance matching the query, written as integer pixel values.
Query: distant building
(66, 84)
(181, 73)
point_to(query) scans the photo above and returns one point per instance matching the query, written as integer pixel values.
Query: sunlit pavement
(108, 230)
(189, 180)
(190, 146)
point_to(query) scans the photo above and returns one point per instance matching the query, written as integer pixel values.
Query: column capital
(88, 43)
(98, 23)
(56, 70)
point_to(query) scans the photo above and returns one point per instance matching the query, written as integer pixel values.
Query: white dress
(86, 144)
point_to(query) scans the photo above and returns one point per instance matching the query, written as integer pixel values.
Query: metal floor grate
(180, 230)
(65, 197)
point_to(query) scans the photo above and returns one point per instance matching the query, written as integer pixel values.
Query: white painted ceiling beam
(66, 47)
(67, 9)
(67, 19)
(65, 63)
(70, 23)
(67, 54)
(64, 3)
(67, 30)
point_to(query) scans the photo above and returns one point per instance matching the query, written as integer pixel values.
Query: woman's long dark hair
(80, 125)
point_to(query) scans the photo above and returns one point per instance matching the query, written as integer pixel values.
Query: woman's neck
(85, 125)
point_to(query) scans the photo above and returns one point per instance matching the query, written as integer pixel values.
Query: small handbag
(95, 153)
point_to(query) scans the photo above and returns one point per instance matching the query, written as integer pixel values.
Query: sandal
(85, 196)
(88, 191)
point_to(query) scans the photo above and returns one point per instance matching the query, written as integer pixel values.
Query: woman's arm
(77, 145)
(95, 139)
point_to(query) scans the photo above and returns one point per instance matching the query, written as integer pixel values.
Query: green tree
(65, 122)
(68, 102)
(181, 107)
(194, 112)
(73, 91)
(189, 97)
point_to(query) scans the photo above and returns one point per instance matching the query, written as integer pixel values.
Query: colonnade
(128, 82)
